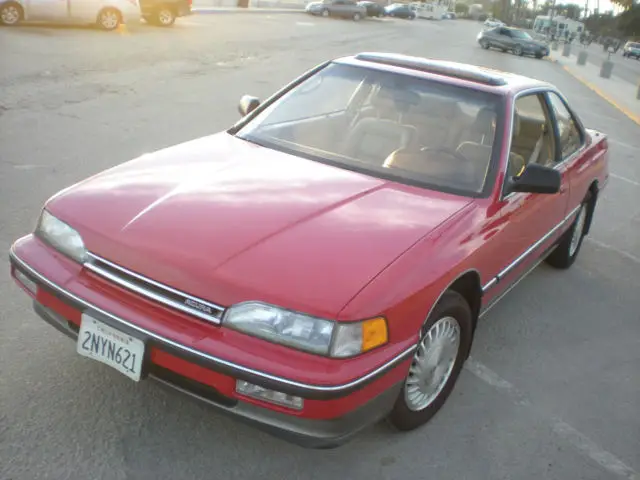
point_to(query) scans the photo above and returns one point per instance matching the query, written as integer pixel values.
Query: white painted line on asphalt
(305, 24)
(579, 441)
(625, 179)
(627, 255)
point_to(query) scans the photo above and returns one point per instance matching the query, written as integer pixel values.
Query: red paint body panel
(231, 221)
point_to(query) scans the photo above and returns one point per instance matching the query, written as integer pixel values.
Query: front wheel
(567, 250)
(445, 341)
(518, 50)
(484, 44)
(325, 13)
(356, 17)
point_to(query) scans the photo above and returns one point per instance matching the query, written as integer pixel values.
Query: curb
(635, 118)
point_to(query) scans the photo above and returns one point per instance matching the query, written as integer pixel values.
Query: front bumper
(206, 379)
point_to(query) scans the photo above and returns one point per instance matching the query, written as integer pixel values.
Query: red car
(324, 262)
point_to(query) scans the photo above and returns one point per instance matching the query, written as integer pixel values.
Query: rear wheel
(10, 14)
(444, 343)
(518, 50)
(567, 250)
(356, 17)
(484, 44)
(325, 13)
(109, 19)
(162, 17)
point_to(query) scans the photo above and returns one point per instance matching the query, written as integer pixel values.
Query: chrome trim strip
(263, 375)
(528, 251)
(489, 284)
(148, 294)
(511, 287)
(143, 291)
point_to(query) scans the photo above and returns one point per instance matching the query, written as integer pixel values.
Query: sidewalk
(617, 91)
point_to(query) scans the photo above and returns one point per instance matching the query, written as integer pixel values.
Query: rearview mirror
(536, 179)
(247, 104)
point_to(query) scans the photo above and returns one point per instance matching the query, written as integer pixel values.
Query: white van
(429, 11)
(107, 14)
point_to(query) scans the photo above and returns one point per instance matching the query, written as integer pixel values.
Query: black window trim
(560, 159)
(544, 103)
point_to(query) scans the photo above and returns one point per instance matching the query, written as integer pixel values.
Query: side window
(532, 136)
(505, 32)
(570, 137)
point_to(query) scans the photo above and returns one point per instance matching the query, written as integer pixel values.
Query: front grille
(155, 291)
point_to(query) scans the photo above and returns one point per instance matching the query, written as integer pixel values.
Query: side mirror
(247, 104)
(536, 179)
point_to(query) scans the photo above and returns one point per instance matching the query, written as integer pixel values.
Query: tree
(625, 4)
(462, 8)
(629, 22)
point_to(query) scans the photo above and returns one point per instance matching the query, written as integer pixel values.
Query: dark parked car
(164, 12)
(337, 8)
(517, 41)
(400, 10)
(374, 9)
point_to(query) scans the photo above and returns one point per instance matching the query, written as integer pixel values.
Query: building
(558, 25)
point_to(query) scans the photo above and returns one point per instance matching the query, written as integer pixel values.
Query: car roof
(462, 74)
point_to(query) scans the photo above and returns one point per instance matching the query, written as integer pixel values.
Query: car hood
(227, 221)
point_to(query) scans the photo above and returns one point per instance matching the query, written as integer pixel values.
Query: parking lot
(552, 390)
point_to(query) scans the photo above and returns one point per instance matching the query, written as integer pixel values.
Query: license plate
(105, 344)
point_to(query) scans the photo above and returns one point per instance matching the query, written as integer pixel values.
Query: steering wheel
(447, 151)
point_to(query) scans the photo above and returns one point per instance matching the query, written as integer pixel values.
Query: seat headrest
(401, 100)
(485, 121)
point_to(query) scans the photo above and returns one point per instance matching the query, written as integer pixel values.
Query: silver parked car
(514, 40)
(337, 8)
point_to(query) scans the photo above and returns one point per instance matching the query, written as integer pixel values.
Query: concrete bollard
(607, 68)
(566, 50)
(582, 58)
(554, 46)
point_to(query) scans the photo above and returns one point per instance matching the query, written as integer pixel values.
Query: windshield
(385, 124)
(520, 34)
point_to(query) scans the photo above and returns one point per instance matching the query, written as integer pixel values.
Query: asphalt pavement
(552, 390)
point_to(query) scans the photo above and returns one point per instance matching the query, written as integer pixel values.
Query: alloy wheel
(432, 364)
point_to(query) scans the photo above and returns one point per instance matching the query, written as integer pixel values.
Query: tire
(356, 17)
(518, 51)
(569, 247)
(109, 19)
(325, 13)
(484, 44)
(163, 17)
(451, 312)
(538, 56)
(11, 14)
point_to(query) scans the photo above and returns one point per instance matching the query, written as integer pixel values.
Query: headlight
(307, 333)
(61, 237)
